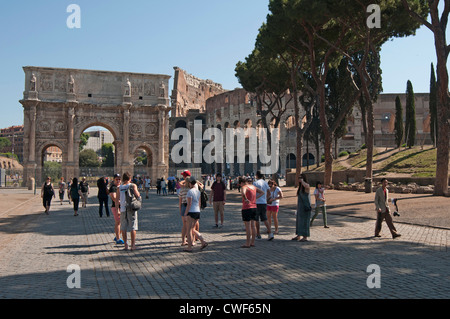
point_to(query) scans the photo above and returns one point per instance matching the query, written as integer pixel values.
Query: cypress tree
(398, 122)
(410, 125)
(433, 107)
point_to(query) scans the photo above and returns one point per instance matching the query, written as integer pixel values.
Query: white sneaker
(271, 236)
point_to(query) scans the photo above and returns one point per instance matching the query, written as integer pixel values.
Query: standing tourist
(218, 197)
(198, 185)
(47, 193)
(383, 211)
(182, 202)
(75, 194)
(249, 197)
(303, 210)
(116, 209)
(274, 194)
(193, 215)
(319, 195)
(69, 183)
(128, 217)
(158, 186)
(84, 187)
(261, 205)
(163, 186)
(102, 196)
(147, 183)
(62, 189)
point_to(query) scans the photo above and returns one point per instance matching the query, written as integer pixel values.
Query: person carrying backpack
(128, 216)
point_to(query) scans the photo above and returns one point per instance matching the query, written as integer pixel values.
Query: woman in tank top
(47, 193)
(274, 194)
(249, 195)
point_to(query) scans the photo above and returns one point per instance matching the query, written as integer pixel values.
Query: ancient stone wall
(191, 93)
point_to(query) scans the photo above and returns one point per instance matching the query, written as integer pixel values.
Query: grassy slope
(414, 161)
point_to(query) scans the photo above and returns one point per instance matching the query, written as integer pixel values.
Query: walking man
(383, 212)
(62, 187)
(84, 187)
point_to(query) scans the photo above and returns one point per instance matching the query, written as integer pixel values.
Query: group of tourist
(260, 203)
(75, 192)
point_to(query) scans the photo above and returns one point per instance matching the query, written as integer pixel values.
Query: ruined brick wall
(191, 93)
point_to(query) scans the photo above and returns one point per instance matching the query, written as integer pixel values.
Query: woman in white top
(193, 215)
(319, 195)
(274, 194)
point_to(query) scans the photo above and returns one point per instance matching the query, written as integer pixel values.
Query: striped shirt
(183, 193)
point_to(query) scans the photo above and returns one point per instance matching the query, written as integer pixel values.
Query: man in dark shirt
(218, 197)
(84, 187)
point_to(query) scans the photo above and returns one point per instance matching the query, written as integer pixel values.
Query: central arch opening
(143, 163)
(97, 153)
(51, 162)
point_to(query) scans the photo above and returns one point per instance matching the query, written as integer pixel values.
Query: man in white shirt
(261, 205)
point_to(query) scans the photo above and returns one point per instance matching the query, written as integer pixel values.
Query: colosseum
(194, 99)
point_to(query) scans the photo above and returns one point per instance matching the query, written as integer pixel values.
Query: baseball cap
(116, 175)
(186, 173)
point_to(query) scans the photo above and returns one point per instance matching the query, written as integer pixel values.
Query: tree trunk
(318, 157)
(328, 138)
(336, 148)
(328, 176)
(438, 26)
(299, 135)
(370, 145)
(441, 182)
(364, 118)
(299, 131)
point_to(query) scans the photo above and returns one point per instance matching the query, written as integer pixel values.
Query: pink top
(250, 193)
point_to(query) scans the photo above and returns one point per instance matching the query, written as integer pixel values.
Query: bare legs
(133, 239)
(192, 232)
(250, 231)
(274, 215)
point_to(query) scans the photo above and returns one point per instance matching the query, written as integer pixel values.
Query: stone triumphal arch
(59, 104)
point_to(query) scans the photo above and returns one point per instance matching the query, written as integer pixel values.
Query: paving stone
(39, 248)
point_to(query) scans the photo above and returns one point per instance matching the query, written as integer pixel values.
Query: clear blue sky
(205, 37)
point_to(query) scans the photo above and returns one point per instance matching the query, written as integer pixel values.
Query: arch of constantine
(60, 104)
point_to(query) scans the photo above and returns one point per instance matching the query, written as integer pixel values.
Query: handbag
(133, 202)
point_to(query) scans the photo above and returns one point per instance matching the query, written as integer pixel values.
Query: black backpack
(203, 199)
(133, 202)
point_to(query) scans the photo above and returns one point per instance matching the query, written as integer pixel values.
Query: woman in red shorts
(249, 196)
(274, 194)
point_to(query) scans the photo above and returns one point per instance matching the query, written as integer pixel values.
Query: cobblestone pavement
(37, 249)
